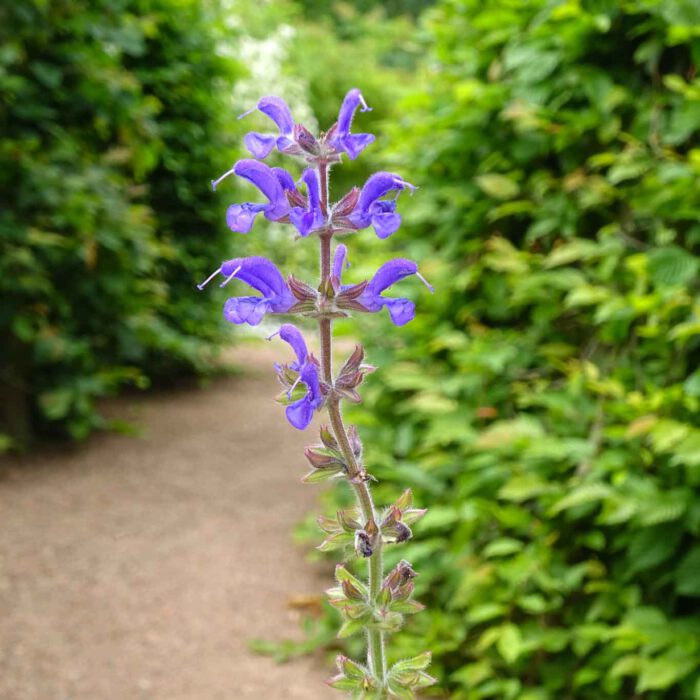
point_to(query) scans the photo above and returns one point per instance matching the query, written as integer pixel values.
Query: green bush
(113, 117)
(545, 402)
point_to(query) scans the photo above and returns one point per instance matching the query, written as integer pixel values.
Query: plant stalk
(376, 658)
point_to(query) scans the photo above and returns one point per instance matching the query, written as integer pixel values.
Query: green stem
(375, 639)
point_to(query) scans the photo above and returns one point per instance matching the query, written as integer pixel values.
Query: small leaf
(497, 186)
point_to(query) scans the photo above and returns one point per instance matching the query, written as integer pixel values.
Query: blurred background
(545, 403)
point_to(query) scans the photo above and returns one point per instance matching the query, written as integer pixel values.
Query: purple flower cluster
(299, 203)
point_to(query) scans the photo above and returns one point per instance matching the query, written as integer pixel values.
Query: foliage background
(544, 403)
(112, 119)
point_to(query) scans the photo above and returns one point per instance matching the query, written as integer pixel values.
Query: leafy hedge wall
(546, 402)
(113, 117)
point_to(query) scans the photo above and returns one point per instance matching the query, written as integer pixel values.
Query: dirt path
(137, 568)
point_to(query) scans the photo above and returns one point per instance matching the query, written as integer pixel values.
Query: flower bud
(402, 532)
(347, 522)
(351, 591)
(399, 576)
(301, 290)
(328, 440)
(306, 140)
(321, 459)
(363, 544)
(347, 203)
(355, 442)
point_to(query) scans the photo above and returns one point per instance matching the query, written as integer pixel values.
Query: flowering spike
(376, 608)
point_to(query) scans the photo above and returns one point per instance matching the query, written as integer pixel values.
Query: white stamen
(270, 337)
(365, 107)
(214, 183)
(208, 279)
(294, 386)
(245, 114)
(230, 277)
(425, 282)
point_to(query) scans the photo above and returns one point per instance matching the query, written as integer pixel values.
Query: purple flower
(340, 262)
(341, 139)
(311, 218)
(300, 412)
(272, 182)
(262, 275)
(381, 214)
(276, 109)
(400, 310)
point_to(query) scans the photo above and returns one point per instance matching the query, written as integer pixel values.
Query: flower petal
(240, 217)
(377, 186)
(303, 220)
(311, 218)
(389, 273)
(351, 102)
(258, 144)
(339, 261)
(354, 144)
(285, 179)
(268, 182)
(309, 375)
(385, 224)
(292, 335)
(250, 310)
(276, 108)
(260, 273)
(300, 413)
(401, 311)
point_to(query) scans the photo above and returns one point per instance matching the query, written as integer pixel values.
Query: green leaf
(510, 643)
(688, 573)
(502, 547)
(498, 186)
(672, 266)
(663, 672)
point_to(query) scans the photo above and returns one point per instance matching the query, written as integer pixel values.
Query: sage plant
(377, 606)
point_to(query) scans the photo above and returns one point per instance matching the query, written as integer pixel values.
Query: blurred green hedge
(112, 118)
(545, 403)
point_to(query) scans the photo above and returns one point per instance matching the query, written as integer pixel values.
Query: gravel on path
(139, 568)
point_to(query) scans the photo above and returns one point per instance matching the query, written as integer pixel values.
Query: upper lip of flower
(371, 210)
(371, 299)
(261, 274)
(277, 110)
(272, 182)
(340, 137)
(311, 218)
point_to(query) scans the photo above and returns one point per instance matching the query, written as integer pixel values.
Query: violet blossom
(261, 274)
(401, 310)
(310, 218)
(375, 609)
(371, 210)
(276, 109)
(340, 138)
(272, 182)
(300, 412)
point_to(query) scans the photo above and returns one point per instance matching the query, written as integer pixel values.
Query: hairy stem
(375, 639)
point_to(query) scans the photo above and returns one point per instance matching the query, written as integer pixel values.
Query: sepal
(354, 678)
(409, 675)
(302, 291)
(328, 439)
(347, 204)
(306, 140)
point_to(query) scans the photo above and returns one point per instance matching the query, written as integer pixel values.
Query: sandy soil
(136, 568)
